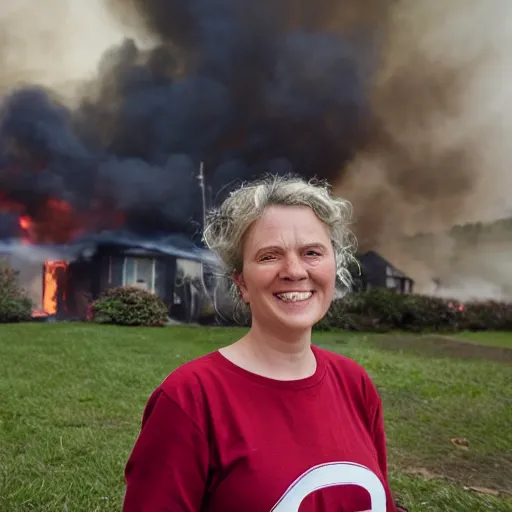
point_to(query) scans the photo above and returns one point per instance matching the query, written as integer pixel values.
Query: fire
(56, 222)
(53, 273)
(25, 222)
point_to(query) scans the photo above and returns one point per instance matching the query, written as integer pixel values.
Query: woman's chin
(298, 320)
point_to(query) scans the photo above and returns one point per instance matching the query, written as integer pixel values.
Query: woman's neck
(273, 355)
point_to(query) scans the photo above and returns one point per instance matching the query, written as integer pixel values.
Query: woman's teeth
(294, 296)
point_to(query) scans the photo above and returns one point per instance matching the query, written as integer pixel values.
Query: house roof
(373, 254)
(172, 245)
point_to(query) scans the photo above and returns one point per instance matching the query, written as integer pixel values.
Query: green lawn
(71, 398)
(493, 339)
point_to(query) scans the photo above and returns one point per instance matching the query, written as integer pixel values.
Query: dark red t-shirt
(217, 438)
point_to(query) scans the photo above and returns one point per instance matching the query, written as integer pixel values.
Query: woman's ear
(238, 279)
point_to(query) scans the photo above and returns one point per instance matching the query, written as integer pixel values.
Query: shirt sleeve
(168, 467)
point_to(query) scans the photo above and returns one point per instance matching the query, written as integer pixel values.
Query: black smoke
(245, 87)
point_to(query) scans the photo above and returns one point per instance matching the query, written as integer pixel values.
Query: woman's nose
(293, 268)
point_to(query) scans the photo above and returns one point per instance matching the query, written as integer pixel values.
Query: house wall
(81, 288)
(178, 281)
(114, 266)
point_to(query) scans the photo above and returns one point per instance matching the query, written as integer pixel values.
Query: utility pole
(203, 193)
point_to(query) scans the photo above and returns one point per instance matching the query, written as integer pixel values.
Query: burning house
(67, 256)
(176, 276)
(62, 289)
(116, 160)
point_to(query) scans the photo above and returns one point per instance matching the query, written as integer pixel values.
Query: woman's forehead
(287, 234)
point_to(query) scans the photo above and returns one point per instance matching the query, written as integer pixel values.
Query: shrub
(381, 310)
(129, 305)
(15, 306)
(423, 313)
(351, 314)
(334, 317)
(488, 315)
(378, 304)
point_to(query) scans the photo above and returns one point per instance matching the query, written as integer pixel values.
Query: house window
(391, 283)
(139, 272)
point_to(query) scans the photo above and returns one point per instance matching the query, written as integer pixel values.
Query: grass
(492, 339)
(72, 397)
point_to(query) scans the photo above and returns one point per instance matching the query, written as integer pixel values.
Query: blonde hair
(227, 225)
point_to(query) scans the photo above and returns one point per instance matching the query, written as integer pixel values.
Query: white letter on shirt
(330, 475)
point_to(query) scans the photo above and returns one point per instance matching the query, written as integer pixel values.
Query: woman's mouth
(294, 296)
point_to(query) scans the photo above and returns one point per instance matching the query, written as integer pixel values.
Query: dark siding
(115, 272)
(373, 269)
(93, 276)
(79, 290)
(160, 278)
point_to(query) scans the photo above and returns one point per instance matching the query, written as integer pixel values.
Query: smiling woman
(271, 422)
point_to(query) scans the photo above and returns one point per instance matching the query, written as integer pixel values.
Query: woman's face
(289, 269)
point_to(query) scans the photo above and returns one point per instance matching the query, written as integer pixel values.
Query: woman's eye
(313, 253)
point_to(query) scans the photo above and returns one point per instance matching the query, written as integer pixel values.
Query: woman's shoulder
(190, 375)
(187, 388)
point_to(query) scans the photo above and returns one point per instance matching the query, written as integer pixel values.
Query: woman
(271, 422)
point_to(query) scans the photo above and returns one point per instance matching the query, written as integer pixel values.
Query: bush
(379, 305)
(334, 318)
(488, 315)
(127, 305)
(381, 310)
(15, 306)
(423, 313)
(354, 313)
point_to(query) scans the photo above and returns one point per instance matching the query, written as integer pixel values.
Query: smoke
(244, 87)
(111, 106)
(439, 154)
(54, 43)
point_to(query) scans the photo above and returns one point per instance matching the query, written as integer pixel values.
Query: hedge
(381, 310)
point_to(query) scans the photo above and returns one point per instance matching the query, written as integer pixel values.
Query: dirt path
(435, 345)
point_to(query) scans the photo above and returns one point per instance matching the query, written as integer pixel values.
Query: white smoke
(452, 63)
(53, 43)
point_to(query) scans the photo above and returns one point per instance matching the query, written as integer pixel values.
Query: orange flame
(25, 222)
(50, 287)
